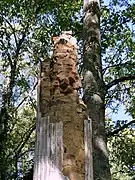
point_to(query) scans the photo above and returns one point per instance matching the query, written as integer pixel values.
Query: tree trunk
(60, 146)
(94, 92)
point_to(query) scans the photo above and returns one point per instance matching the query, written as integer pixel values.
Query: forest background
(26, 31)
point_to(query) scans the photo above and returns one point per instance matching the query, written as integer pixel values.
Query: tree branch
(121, 79)
(18, 149)
(119, 65)
(8, 55)
(116, 131)
(27, 151)
(13, 30)
(29, 95)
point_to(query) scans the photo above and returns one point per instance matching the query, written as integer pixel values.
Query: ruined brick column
(59, 100)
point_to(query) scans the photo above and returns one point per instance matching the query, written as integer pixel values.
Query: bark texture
(94, 88)
(49, 155)
(88, 149)
(59, 100)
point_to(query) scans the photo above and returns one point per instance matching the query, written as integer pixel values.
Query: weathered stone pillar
(59, 101)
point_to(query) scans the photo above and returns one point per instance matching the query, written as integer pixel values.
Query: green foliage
(26, 29)
(118, 47)
(25, 39)
(122, 153)
(118, 55)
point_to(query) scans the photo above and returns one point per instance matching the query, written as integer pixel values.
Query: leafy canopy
(26, 29)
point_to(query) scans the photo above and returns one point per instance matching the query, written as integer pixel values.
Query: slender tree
(25, 31)
(94, 89)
